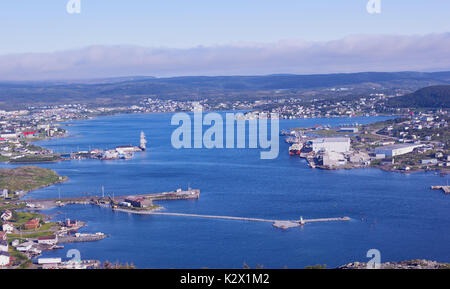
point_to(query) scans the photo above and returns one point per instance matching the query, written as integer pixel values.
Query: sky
(40, 40)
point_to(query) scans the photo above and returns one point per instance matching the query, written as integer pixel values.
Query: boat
(295, 149)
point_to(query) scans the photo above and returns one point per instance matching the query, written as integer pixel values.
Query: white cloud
(351, 54)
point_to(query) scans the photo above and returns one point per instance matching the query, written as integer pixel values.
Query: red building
(32, 224)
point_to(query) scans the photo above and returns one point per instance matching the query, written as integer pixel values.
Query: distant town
(418, 141)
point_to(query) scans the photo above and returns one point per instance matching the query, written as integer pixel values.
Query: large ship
(143, 142)
(295, 149)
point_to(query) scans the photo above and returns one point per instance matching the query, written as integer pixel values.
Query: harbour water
(395, 213)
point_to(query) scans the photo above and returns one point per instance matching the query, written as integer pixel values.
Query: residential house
(6, 216)
(8, 228)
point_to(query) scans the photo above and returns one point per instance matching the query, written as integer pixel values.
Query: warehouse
(331, 144)
(397, 149)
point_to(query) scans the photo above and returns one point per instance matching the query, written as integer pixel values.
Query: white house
(8, 228)
(7, 215)
(5, 258)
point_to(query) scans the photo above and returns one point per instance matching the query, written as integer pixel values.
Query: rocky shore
(413, 264)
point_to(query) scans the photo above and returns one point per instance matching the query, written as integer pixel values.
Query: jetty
(143, 205)
(445, 189)
(276, 223)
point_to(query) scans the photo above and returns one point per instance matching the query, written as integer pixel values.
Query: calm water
(395, 213)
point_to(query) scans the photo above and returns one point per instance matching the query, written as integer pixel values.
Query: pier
(114, 203)
(276, 223)
(445, 189)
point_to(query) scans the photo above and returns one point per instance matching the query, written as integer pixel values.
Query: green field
(28, 178)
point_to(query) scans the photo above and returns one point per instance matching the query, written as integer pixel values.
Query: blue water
(395, 213)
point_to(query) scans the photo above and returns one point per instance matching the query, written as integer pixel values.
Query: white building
(24, 247)
(349, 129)
(397, 149)
(333, 159)
(48, 240)
(7, 215)
(8, 228)
(334, 144)
(5, 259)
(4, 246)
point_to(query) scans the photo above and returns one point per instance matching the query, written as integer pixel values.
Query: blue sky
(44, 25)
(40, 40)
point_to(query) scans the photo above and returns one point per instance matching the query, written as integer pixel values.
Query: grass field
(28, 178)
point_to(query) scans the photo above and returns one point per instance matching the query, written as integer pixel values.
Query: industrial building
(331, 144)
(349, 129)
(396, 150)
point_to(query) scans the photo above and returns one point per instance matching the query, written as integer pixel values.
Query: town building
(8, 228)
(333, 159)
(25, 247)
(32, 224)
(5, 259)
(48, 240)
(335, 144)
(139, 202)
(397, 149)
(349, 129)
(429, 162)
(6, 216)
(4, 246)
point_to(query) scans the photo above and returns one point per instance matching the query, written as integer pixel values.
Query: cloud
(351, 54)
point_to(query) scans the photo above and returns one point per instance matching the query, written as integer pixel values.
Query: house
(6, 216)
(2, 236)
(4, 193)
(32, 224)
(8, 228)
(24, 247)
(48, 240)
(5, 259)
(4, 246)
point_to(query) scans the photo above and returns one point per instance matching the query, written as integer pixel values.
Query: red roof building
(32, 224)
(25, 133)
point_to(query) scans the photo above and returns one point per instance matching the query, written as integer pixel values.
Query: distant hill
(127, 90)
(437, 96)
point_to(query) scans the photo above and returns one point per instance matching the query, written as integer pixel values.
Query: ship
(143, 142)
(295, 149)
